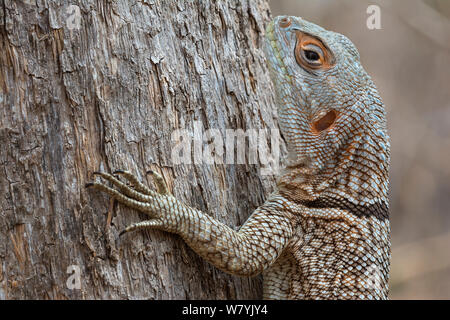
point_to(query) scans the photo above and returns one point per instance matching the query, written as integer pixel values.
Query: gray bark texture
(102, 85)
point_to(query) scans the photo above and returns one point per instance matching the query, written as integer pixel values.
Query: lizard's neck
(301, 182)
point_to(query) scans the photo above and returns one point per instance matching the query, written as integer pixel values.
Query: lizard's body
(324, 234)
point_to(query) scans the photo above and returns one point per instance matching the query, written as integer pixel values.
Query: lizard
(324, 232)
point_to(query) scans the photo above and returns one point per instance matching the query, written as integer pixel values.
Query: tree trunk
(89, 85)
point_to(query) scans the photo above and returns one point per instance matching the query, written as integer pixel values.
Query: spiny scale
(324, 234)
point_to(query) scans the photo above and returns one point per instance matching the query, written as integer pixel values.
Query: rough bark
(108, 95)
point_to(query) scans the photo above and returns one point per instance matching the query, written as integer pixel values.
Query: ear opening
(325, 122)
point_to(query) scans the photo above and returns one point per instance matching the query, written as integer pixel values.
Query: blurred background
(409, 61)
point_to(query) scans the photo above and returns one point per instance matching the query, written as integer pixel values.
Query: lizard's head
(330, 113)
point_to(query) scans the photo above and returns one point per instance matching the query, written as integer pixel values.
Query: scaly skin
(324, 234)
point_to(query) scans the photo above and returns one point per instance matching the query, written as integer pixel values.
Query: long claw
(159, 182)
(148, 208)
(135, 182)
(141, 225)
(127, 190)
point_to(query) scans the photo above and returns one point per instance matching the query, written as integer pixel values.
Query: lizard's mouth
(276, 54)
(272, 46)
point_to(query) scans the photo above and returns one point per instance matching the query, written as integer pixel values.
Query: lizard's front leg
(246, 252)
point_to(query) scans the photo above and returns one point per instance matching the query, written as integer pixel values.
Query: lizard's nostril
(285, 22)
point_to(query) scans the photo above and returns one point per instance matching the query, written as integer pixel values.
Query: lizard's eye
(325, 121)
(311, 53)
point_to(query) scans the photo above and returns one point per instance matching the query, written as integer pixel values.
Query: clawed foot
(156, 204)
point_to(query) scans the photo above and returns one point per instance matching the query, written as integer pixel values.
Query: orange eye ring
(311, 53)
